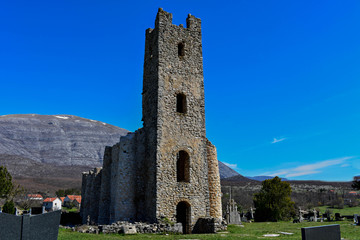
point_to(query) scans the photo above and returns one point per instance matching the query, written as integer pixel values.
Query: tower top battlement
(164, 19)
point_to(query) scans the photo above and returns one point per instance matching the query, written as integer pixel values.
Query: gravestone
(338, 217)
(315, 215)
(356, 219)
(40, 227)
(328, 232)
(232, 214)
(301, 212)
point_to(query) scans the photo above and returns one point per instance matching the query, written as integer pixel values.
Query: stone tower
(167, 169)
(174, 114)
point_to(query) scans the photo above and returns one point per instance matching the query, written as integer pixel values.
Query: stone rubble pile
(123, 227)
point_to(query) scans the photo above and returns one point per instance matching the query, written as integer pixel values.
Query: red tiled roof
(75, 197)
(50, 199)
(62, 199)
(353, 192)
(34, 196)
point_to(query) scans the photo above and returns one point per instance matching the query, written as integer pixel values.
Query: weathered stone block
(128, 229)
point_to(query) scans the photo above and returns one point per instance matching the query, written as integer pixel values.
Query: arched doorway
(183, 215)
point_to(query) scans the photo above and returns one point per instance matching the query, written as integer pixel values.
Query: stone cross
(232, 215)
(315, 215)
(300, 215)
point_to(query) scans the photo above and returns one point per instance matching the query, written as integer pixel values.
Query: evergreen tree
(356, 184)
(9, 207)
(273, 202)
(6, 185)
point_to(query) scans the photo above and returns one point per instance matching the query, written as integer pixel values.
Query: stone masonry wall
(113, 183)
(125, 192)
(122, 187)
(91, 185)
(105, 193)
(176, 131)
(214, 181)
(150, 112)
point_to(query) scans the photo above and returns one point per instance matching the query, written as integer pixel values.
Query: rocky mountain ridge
(57, 139)
(262, 178)
(51, 151)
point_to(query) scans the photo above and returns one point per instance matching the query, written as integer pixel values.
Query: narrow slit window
(181, 103)
(150, 52)
(181, 49)
(183, 167)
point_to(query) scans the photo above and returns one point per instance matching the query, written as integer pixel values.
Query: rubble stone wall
(105, 193)
(91, 184)
(214, 181)
(124, 179)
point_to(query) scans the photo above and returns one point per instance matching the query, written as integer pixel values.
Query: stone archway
(183, 215)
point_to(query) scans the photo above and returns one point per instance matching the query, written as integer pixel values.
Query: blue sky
(281, 77)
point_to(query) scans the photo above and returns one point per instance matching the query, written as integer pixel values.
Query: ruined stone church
(168, 168)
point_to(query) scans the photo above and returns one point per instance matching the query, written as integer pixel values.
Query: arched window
(181, 49)
(180, 103)
(183, 167)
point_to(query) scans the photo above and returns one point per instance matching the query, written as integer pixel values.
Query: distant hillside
(48, 152)
(226, 171)
(238, 180)
(262, 178)
(57, 139)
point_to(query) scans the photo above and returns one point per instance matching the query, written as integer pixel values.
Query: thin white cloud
(281, 173)
(345, 165)
(230, 165)
(297, 174)
(310, 169)
(278, 140)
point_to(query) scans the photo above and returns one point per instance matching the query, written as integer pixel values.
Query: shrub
(273, 202)
(9, 207)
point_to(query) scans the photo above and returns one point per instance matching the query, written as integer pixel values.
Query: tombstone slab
(26, 227)
(328, 232)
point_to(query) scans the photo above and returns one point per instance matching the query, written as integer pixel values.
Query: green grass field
(65, 209)
(249, 231)
(344, 211)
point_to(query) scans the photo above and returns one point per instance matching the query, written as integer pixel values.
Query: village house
(72, 201)
(52, 204)
(62, 200)
(36, 197)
